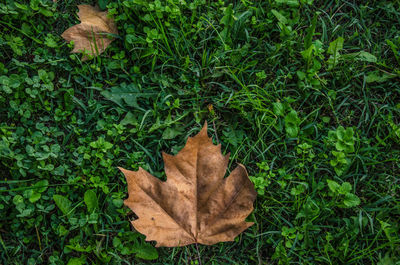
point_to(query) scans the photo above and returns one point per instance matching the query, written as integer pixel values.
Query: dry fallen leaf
(92, 34)
(196, 204)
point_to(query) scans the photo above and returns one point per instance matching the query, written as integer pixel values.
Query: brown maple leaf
(196, 204)
(92, 34)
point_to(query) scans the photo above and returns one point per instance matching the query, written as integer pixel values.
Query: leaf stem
(198, 253)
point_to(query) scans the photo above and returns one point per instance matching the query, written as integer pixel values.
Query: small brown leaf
(91, 35)
(196, 204)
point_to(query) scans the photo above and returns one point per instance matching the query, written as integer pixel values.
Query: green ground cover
(305, 94)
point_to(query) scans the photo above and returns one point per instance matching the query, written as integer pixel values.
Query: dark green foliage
(305, 93)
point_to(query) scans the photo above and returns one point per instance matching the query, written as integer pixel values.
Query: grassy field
(304, 93)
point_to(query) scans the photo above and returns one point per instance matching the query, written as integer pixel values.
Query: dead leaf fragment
(92, 34)
(196, 204)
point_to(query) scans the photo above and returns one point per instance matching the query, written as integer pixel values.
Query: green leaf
(361, 56)
(335, 46)
(41, 185)
(340, 132)
(292, 131)
(34, 196)
(345, 188)
(291, 3)
(292, 122)
(34, 4)
(127, 94)
(278, 108)
(261, 75)
(307, 53)
(299, 189)
(14, 80)
(333, 185)
(45, 12)
(129, 119)
(348, 135)
(91, 200)
(281, 18)
(351, 200)
(103, 4)
(59, 171)
(379, 77)
(292, 118)
(341, 146)
(146, 252)
(301, 75)
(310, 33)
(387, 260)
(77, 261)
(171, 133)
(21, 6)
(227, 19)
(62, 203)
(340, 156)
(341, 169)
(18, 199)
(118, 202)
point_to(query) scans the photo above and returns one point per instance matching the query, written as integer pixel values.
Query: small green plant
(292, 124)
(306, 153)
(227, 21)
(263, 178)
(343, 140)
(312, 54)
(291, 234)
(334, 51)
(342, 195)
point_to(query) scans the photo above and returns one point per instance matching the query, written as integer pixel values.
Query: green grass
(301, 102)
